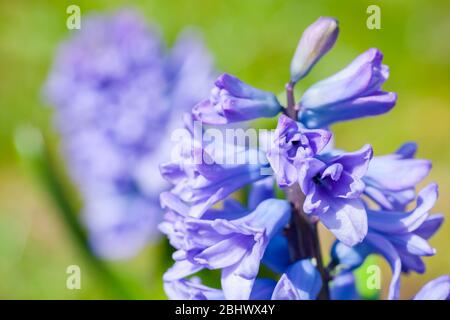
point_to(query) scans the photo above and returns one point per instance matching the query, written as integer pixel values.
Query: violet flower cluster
(361, 198)
(117, 92)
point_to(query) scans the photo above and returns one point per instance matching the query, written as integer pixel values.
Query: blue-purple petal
(430, 226)
(352, 93)
(347, 220)
(301, 281)
(191, 289)
(437, 289)
(393, 172)
(403, 222)
(277, 256)
(262, 289)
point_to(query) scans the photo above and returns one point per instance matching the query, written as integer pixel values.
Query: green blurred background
(253, 39)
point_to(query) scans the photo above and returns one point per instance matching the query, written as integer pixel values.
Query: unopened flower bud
(316, 40)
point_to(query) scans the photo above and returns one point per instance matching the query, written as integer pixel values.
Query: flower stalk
(302, 233)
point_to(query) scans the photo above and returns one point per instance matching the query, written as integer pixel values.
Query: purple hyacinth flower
(333, 189)
(201, 181)
(301, 281)
(400, 237)
(437, 289)
(117, 92)
(173, 224)
(120, 224)
(391, 179)
(232, 100)
(408, 232)
(191, 289)
(354, 92)
(235, 246)
(291, 142)
(315, 42)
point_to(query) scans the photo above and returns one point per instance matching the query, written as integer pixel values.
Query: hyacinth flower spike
(360, 198)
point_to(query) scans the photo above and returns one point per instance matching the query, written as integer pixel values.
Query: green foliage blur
(253, 39)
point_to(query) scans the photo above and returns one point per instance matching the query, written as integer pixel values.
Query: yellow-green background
(253, 39)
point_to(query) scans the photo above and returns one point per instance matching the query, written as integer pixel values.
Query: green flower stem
(35, 155)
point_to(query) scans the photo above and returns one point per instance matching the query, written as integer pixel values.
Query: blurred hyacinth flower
(118, 93)
(361, 198)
